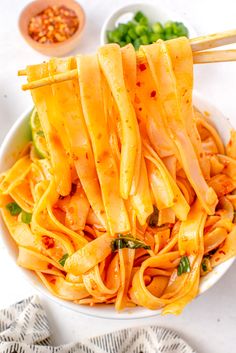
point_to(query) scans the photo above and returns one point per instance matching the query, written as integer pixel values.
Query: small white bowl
(155, 12)
(16, 139)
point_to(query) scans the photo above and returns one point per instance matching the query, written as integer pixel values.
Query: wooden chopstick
(213, 40)
(214, 56)
(199, 57)
(65, 76)
(202, 57)
(22, 72)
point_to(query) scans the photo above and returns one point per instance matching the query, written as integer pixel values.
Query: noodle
(134, 198)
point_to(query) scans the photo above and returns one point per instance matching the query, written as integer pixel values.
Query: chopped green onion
(140, 17)
(179, 29)
(157, 28)
(128, 39)
(114, 36)
(26, 217)
(110, 36)
(153, 219)
(127, 241)
(13, 208)
(140, 32)
(63, 259)
(184, 266)
(122, 43)
(154, 37)
(144, 21)
(144, 39)
(168, 26)
(137, 43)
(206, 263)
(204, 266)
(123, 29)
(132, 33)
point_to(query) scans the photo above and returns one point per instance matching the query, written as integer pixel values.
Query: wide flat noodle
(70, 110)
(180, 205)
(91, 99)
(161, 67)
(63, 289)
(110, 60)
(89, 256)
(44, 103)
(182, 62)
(15, 175)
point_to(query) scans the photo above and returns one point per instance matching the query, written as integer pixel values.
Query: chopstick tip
(21, 72)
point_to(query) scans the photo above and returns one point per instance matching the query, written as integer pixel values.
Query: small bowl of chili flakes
(52, 27)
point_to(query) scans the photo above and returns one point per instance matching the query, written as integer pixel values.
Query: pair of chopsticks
(199, 46)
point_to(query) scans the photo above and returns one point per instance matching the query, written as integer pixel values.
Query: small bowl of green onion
(143, 23)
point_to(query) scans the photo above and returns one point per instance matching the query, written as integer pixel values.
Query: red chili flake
(53, 280)
(53, 25)
(138, 83)
(222, 252)
(230, 142)
(48, 242)
(50, 266)
(142, 67)
(153, 94)
(207, 229)
(140, 109)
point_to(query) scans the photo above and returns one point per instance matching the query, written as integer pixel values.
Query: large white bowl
(15, 140)
(155, 12)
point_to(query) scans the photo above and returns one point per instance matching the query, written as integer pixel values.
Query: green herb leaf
(184, 265)
(204, 266)
(127, 241)
(13, 208)
(153, 219)
(63, 259)
(205, 261)
(26, 217)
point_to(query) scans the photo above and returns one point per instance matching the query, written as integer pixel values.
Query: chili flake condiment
(53, 25)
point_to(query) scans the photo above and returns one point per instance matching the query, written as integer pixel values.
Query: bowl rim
(41, 46)
(130, 313)
(119, 10)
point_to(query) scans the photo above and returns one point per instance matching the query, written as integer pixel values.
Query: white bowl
(155, 12)
(15, 140)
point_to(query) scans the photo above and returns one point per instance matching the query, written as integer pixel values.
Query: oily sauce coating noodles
(135, 197)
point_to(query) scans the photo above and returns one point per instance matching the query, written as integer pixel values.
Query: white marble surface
(209, 322)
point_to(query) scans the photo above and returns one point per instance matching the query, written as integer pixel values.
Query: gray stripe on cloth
(24, 328)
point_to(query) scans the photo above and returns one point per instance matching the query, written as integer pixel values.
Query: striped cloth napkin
(24, 328)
